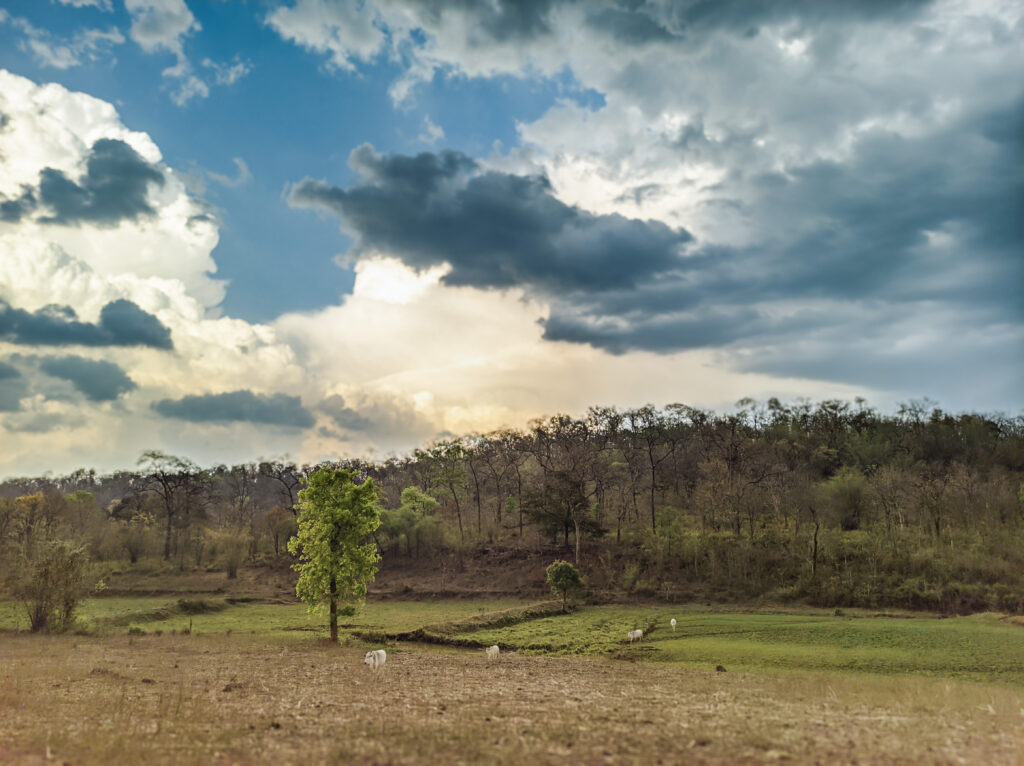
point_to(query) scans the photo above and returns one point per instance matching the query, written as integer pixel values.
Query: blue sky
(437, 218)
(288, 117)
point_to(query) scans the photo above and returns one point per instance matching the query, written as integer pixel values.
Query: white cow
(672, 622)
(635, 635)
(493, 652)
(376, 658)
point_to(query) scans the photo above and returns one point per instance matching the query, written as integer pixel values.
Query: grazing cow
(635, 635)
(492, 652)
(672, 622)
(376, 658)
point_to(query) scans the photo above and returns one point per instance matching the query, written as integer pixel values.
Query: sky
(235, 230)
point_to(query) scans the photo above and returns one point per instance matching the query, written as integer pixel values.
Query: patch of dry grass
(178, 699)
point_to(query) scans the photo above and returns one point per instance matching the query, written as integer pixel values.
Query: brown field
(235, 699)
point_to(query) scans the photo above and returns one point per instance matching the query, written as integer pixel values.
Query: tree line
(833, 503)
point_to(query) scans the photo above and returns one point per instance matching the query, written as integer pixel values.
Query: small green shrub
(52, 584)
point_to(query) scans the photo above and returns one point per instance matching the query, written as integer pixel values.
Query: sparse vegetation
(832, 514)
(275, 696)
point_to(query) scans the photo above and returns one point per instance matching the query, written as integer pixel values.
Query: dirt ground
(231, 699)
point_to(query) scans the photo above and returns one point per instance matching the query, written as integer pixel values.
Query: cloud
(164, 25)
(189, 87)
(238, 406)
(97, 380)
(161, 24)
(431, 133)
(131, 326)
(65, 53)
(122, 323)
(818, 184)
(13, 210)
(349, 32)
(494, 229)
(41, 423)
(12, 388)
(343, 416)
(511, 37)
(103, 5)
(228, 74)
(49, 127)
(130, 288)
(243, 177)
(115, 186)
(377, 416)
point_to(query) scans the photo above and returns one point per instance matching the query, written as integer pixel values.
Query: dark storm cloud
(377, 413)
(667, 333)
(870, 227)
(122, 323)
(636, 23)
(114, 187)
(495, 229)
(12, 388)
(131, 326)
(501, 20)
(238, 406)
(13, 210)
(692, 17)
(98, 381)
(343, 415)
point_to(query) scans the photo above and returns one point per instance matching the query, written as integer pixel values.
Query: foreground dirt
(229, 699)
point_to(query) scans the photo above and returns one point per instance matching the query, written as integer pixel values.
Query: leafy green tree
(414, 520)
(335, 563)
(564, 579)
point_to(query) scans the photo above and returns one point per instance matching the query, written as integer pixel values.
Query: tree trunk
(167, 538)
(458, 512)
(814, 553)
(654, 523)
(334, 610)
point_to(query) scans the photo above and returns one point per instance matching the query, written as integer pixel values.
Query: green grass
(979, 648)
(277, 620)
(983, 647)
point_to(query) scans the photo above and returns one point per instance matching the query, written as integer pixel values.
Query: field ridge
(444, 633)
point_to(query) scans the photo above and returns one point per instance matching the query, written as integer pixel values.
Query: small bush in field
(52, 584)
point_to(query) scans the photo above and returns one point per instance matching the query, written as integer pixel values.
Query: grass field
(982, 647)
(280, 620)
(255, 682)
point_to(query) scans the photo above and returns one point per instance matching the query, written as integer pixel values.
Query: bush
(52, 585)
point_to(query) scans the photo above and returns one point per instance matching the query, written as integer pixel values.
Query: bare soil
(233, 699)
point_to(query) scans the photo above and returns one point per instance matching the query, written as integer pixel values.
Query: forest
(830, 504)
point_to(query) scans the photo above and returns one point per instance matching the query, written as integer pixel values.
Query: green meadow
(293, 621)
(984, 647)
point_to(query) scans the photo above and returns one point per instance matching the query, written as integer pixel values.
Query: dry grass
(232, 699)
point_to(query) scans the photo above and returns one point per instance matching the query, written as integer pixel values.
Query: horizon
(343, 228)
(744, 408)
